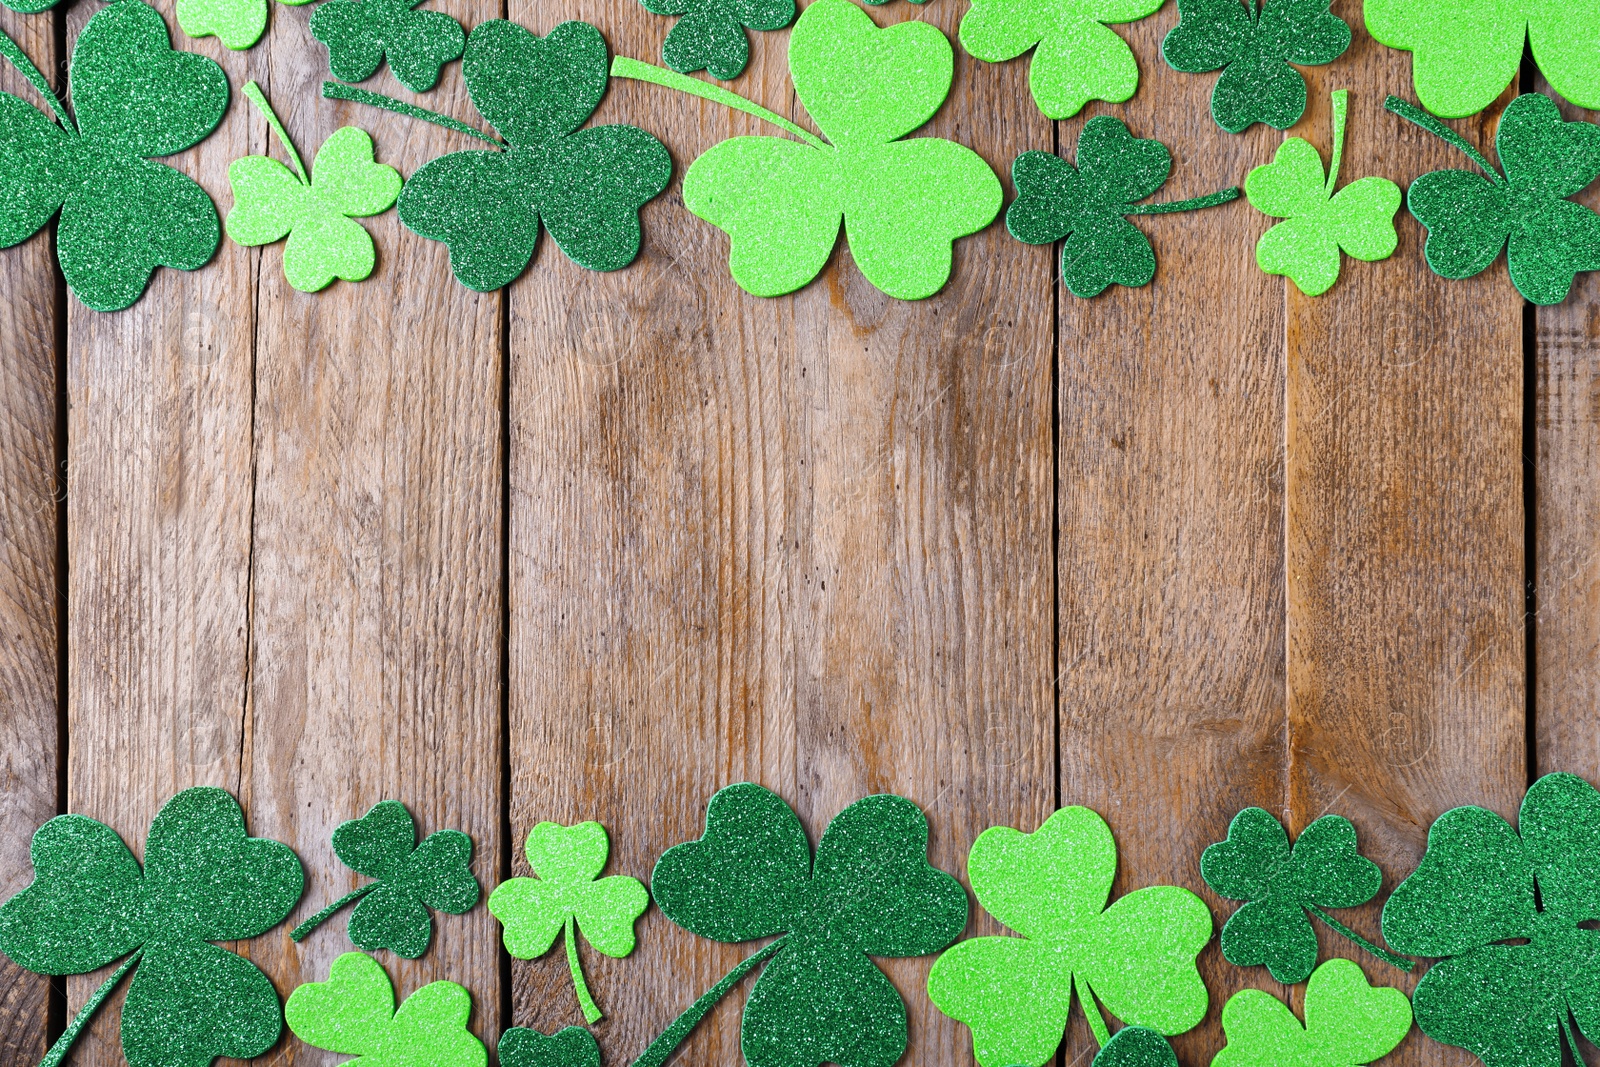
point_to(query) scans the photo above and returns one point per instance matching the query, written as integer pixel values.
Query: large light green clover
(1465, 52)
(1051, 886)
(1348, 1023)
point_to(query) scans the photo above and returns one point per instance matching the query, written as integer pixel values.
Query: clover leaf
(238, 24)
(711, 34)
(203, 881)
(1281, 882)
(360, 33)
(122, 215)
(1470, 218)
(870, 891)
(567, 894)
(1086, 205)
(1348, 1023)
(353, 1012)
(1052, 887)
(572, 1046)
(1466, 52)
(1253, 46)
(1481, 885)
(1077, 58)
(1359, 219)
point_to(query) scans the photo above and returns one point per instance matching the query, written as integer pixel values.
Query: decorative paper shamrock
(412, 878)
(1086, 205)
(1078, 59)
(1481, 885)
(353, 1013)
(711, 37)
(121, 214)
(270, 202)
(566, 893)
(1348, 1023)
(1359, 220)
(1465, 52)
(904, 202)
(1135, 1046)
(870, 892)
(587, 185)
(1051, 886)
(359, 33)
(1254, 49)
(1323, 869)
(237, 24)
(572, 1046)
(1470, 218)
(203, 881)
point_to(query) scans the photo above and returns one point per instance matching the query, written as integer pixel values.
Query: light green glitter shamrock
(238, 24)
(1348, 1023)
(353, 1013)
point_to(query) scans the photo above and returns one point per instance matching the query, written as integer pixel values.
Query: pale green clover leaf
(353, 1013)
(1348, 1023)
(237, 24)
(1137, 956)
(1077, 58)
(903, 202)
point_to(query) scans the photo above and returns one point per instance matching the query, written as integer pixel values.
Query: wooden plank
(803, 541)
(30, 501)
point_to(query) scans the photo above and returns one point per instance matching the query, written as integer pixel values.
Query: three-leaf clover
(1465, 52)
(1470, 217)
(711, 34)
(1323, 869)
(1358, 219)
(1348, 1023)
(869, 892)
(203, 881)
(354, 1013)
(1086, 205)
(312, 211)
(572, 1046)
(1254, 47)
(122, 215)
(567, 894)
(360, 33)
(1077, 58)
(411, 878)
(1052, 886)
(237, 24)
(1481, 885)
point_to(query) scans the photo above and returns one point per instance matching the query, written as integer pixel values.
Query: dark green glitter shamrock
(1254, 47)
(711, 34)
(1086, 205)
(572, 1046)
(122, 215)
(1470, 218)
(412, 878)
(1323, 869)
(1136, 1046)
(203, 881)
(1481, 886)
(359, 33)
(870, 892)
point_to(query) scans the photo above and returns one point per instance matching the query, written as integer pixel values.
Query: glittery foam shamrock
(360, 33)
(1348, 1023)
(572, 1046)
(354, 1013)
(711, 34)
(237, 24)
(203, 881)
(1052, 887)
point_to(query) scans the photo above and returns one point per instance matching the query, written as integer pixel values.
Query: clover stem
(1091, 1012)
(253, 93)
(623, 67)
(1341, 114)
(1418, 117)
(63, 1045)
(663, 1046)
(338, 91)
(1344, 931)
(1222, 196)
(19, 59)
(591, 1012)
(303, 931)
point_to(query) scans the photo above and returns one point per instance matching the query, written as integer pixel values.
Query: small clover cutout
(565, 895)
(354, 1013)
(411, 878)
(1135, 1046)
(710, 36)
(361, 33)
(572, 1046)
(1348, 1023)
(238, 24)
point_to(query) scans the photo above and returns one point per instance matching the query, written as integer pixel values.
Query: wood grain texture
(803, 541)
(30, 499)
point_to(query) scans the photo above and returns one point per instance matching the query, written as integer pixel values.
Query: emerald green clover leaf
(1348, 1023)
(1470, 218)
(238, 24)
(572, 1046)
(203, 881)
(711, 34)
(1482, 884)
(122, 215)
(1052, 887)
(360, 33)
(567, 894)
(1077, 57)
(1086, 205)
(353, 1013)
(1466, 52)
(1253, 48)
